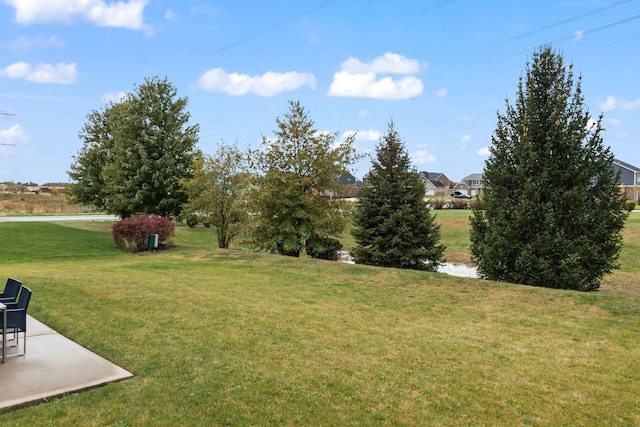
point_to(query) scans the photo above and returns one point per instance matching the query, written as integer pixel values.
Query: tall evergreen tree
(392, 224)
(552, 210)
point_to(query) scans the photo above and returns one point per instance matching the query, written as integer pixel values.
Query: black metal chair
(11, 290)
(17, 319)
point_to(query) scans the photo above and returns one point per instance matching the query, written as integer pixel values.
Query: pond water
(459, 270)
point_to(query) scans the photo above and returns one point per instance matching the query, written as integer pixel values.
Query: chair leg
(17, 344)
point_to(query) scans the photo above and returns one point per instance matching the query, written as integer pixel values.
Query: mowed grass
(230, 337)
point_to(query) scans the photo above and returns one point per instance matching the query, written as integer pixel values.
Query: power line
(564, 21)
(604, 27)
(274, 26)
(593, 30)
(437, 5)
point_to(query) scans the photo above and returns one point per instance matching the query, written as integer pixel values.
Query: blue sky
(440, 69)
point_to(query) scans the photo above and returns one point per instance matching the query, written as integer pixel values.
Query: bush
(437, 203)
(323, 248)
(477, 203)
(630, 205)
(130, 234)
(458, 204)
(191, 220)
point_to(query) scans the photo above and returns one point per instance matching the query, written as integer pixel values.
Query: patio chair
(11, 290)
(17, 319)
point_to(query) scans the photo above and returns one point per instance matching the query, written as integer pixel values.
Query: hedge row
(439, 203)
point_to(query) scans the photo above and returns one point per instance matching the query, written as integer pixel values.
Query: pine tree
(552, 211)
(392, 224)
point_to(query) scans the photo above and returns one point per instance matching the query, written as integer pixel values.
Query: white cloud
(363, 113)
(114, 97)
(60, 73)
(484, 151)
(125, 14)
(465, 138)
(360, 80)
(442, 93)
(29, 43)
(366, 86)
(613, 103)
(169, 15)
(363, 135)
(591, 123)
(268, 84)
(423, 157)
(608, 104)
(390, 63)
(13, 136)
(614, 122)
(578, 35)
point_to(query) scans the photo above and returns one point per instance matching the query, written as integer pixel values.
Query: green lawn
(232, 337)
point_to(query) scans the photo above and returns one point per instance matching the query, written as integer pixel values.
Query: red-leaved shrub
(131, 234)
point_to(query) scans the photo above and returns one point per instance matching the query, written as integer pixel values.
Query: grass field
(231, 337)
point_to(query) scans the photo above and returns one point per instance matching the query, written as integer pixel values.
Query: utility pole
(2, 113)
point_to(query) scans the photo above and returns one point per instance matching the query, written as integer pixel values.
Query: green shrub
(630, 205)
(191, 220)
(323, 248)
(131, 234)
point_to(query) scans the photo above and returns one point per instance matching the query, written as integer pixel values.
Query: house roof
(473, 177)
(347, 179)
(626, 166)
(432, 176)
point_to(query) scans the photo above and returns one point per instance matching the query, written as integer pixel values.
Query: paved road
(54, 218)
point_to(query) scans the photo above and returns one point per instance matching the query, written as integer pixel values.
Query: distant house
(629, 178)
(366, 179)
(435, 183)
(347, 179)
(471, 185)
(350, 187)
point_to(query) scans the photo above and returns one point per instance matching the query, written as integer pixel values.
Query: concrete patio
(53, 365)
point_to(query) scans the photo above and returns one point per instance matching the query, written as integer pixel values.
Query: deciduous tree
(218, 192)
(553, 213)
(136, 153)
(293, 170)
